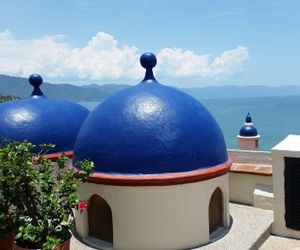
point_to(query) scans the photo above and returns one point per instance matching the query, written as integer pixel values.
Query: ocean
(274, 117)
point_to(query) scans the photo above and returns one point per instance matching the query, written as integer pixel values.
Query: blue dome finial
(148, 61)
(36, 80)
(248, 118)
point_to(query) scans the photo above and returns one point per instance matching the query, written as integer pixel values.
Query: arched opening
(100, 219)
(216, 210)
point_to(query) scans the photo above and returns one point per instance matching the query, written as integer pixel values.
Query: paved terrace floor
(250, 230)
(280, 243)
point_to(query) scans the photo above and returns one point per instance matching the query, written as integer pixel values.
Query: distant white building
(248, 137)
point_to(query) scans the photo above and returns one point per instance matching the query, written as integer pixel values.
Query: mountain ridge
(19, 86)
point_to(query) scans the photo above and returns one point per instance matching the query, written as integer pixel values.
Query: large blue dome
(149, 129)
(41, 120)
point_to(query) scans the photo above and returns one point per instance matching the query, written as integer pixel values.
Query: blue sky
(198, 43)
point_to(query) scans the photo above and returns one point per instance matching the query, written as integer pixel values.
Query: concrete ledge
(242, 186)
(255, 169)
(249, 169)
(263, 197)
(248, 156)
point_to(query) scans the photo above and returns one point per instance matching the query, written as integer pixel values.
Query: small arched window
(216, 210)
(100, 219)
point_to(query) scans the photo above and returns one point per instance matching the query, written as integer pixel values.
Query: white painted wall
(289, 147)
(157, 217)
(241, 186)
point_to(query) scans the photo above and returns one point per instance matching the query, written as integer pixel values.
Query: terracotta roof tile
(255, 169)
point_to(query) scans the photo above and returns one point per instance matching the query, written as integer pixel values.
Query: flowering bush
(45, 193)
(8, 197)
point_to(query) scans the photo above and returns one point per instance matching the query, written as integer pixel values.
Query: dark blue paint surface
(42, 120)
(150, 129)
(248, 129)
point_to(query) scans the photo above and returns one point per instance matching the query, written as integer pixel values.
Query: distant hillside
(18, 86)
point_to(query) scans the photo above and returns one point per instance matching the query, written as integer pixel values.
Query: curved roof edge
(165, 179)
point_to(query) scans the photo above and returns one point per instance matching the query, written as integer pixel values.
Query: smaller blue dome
(41, 120)
(248, 129)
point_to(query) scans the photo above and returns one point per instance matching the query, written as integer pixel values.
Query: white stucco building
(161, 170)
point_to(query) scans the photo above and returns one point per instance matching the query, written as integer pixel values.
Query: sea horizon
(274, 117)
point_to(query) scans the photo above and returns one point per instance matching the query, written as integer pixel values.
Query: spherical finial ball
(148, 60)
(35, 80)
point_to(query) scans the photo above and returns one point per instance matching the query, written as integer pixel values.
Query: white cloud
(51, 56)
(104, 58)
(230, 61)
(178, 63)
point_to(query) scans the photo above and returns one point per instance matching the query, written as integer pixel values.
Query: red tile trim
(160, 179)
(55, 156)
